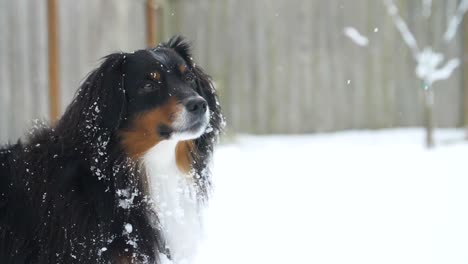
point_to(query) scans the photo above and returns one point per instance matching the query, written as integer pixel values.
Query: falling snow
(356, 37)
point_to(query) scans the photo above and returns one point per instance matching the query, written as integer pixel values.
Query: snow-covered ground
(351, 197)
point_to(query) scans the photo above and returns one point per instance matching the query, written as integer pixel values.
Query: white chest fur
(175, 202)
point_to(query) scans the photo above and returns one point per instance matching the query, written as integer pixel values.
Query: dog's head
(166, 99)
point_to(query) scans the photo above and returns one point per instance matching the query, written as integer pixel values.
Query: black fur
(205, 88)
(61, 191)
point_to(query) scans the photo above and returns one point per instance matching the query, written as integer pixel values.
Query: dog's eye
(148, 87)
(189, 77)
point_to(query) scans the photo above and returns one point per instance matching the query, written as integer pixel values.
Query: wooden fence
(88, 30)
(281, 66)
(284, 66)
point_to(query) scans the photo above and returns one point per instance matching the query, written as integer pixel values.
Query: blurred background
(280, 66)
(310, 70)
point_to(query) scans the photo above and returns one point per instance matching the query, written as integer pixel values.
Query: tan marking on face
(184, 151)
(182, 68)
(143, 134)
(155, 76)
(125, 260)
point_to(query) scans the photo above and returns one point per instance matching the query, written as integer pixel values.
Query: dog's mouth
(199, 124)
(164, 131)
(186, 127)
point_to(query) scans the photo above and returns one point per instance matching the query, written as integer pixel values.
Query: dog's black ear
(180, 45)
(111, 82)
(100, 103)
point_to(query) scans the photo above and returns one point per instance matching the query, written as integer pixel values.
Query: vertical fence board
(4, 72)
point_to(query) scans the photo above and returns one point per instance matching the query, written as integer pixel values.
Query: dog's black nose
(196, 105)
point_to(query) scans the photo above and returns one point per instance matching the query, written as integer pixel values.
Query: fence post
(53, 57)
(150, 23)
(465, 76)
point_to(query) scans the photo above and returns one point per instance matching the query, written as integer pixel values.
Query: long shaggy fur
(68, 192)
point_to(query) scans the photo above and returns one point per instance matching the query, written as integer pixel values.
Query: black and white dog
(122, 175)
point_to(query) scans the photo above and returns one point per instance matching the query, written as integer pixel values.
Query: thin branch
(356, 37)
(455, 21)
(427, 8)
(400, 24)
(445, 72)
